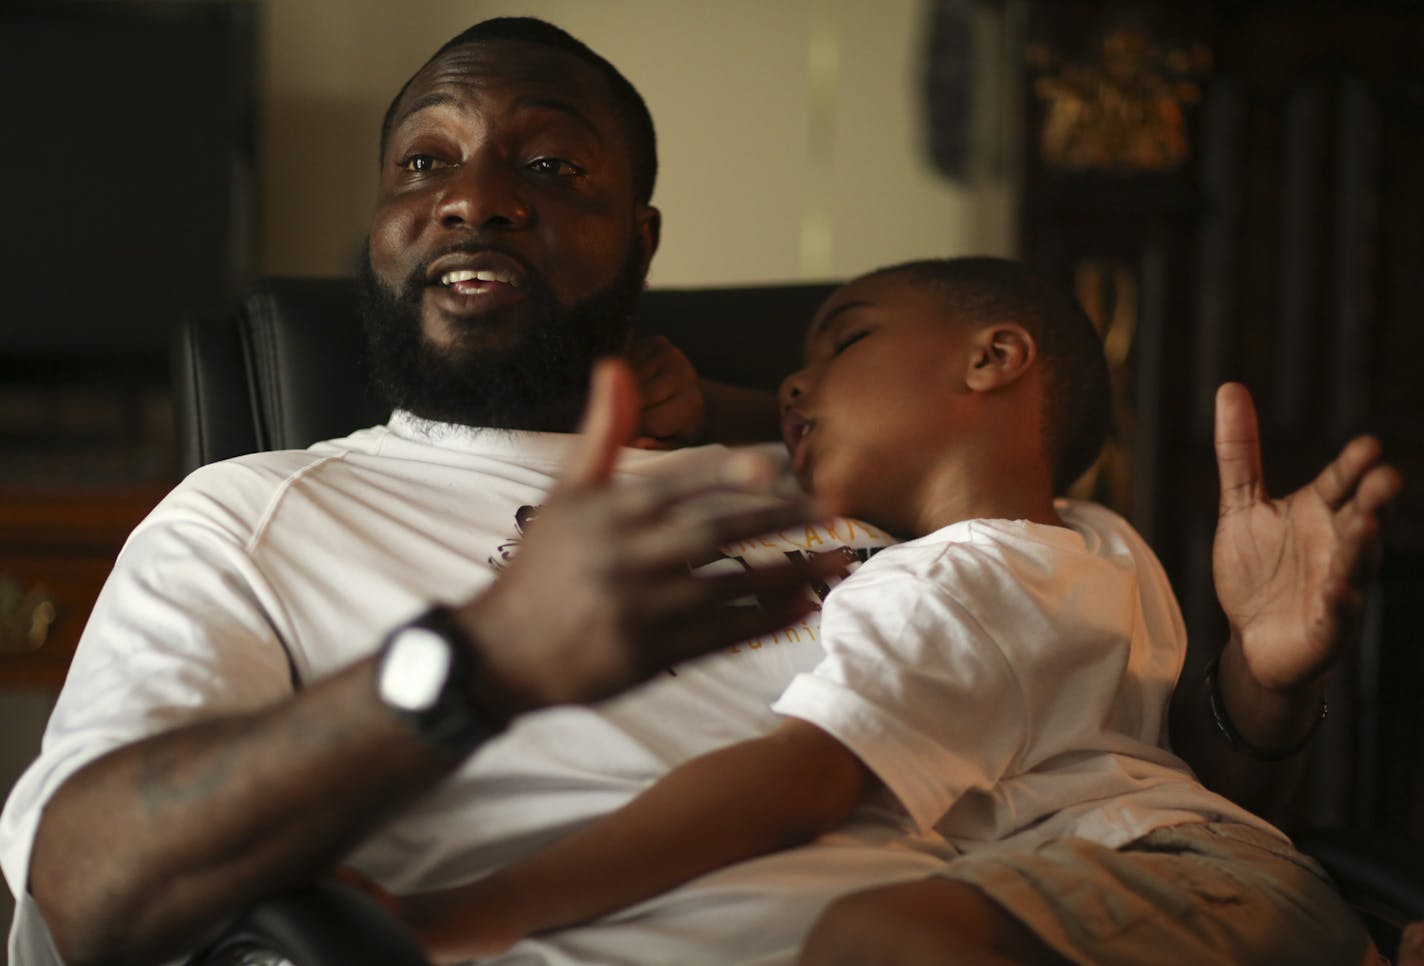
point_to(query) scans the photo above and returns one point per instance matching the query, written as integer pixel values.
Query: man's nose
(483, 192)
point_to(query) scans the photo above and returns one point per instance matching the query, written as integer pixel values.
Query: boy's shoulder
(1086, 528)
(981, 560)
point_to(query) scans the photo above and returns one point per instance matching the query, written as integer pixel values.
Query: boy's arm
(1290, 575)
(735, 803)
(739, 414)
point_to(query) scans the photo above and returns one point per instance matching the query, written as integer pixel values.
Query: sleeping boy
(1000, 679)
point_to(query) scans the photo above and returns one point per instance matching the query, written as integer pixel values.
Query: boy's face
(880, 397)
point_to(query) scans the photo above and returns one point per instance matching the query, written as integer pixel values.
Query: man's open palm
(1291, 573)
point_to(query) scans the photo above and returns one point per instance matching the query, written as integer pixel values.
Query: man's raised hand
(1291, 573)
(602, 594)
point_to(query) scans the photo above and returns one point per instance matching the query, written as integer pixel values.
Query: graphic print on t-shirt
(504, 553)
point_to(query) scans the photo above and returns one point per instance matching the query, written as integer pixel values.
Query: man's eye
(849, 340)
(418, 163)
(555, 166)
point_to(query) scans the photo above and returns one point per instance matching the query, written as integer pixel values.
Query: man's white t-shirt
(261, 574)
(273, 570)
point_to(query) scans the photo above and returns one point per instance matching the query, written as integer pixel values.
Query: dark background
(1282, 245)
(127, 171)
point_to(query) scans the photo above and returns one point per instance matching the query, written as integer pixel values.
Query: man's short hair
(1077, 391)
(628, 106)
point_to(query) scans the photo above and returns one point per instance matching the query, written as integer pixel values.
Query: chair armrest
(323, 923)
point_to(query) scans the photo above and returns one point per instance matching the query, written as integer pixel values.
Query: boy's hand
(452, 925)
(468, 922)
(674, 411)
(1291, 573)
(601, 594)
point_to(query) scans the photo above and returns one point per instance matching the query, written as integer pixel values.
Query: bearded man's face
(509, 241)
(535, 377)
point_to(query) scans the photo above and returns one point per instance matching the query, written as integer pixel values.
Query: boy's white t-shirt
(1009, 682)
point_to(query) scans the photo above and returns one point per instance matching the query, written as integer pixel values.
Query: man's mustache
(420, 275)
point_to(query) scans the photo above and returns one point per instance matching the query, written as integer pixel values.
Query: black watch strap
(452, 723)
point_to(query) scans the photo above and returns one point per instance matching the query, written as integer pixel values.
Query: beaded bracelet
(1233, 737)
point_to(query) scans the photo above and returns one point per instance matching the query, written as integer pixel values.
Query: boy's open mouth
(795, 428)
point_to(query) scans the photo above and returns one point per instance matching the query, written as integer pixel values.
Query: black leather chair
(325, 923)
(285, 368)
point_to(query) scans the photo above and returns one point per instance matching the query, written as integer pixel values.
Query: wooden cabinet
(57, 546)
(86, 450)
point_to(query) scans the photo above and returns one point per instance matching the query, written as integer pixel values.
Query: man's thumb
(1238, 447)
(609, 422)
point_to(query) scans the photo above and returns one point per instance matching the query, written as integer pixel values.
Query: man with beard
(532, 377)
(320, 657)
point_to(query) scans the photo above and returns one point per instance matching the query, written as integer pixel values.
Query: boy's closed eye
(846, 341)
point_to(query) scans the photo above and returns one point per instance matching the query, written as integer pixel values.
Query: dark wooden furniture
(1233, 189)
(87, 450)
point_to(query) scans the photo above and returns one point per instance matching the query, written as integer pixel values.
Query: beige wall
(767, 175)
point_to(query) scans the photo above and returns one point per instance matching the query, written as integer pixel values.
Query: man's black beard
(539, 382)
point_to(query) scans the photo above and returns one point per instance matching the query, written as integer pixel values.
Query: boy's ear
(999, 355)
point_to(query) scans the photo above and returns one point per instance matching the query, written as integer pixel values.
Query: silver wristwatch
(423, 674)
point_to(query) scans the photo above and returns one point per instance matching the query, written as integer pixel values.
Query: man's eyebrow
(423, 103)
(833, 314)
(563, 107)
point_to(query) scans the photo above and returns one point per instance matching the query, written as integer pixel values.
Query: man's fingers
(770, 584)
(1358, 524)
(1380, 487)
(672, 604)
(1338, 480)
(745, 471)
(730, 625)
(734, 626)
(1238, 448)
(609, 423)
(692, 536)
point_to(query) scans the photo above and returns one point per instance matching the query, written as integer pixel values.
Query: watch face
(415, 669)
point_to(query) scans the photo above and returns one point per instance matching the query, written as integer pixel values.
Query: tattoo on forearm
(189, 768)
(193, 766)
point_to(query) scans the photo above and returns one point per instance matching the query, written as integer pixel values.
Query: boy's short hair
(628, 105)
(1077, 391)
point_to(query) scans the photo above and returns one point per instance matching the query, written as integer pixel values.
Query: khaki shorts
(1208, 893)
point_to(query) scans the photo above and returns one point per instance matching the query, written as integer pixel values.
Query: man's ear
(999, 355)
(650, 227)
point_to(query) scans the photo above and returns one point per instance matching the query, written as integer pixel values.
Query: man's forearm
(144, 852)
(1263, 718)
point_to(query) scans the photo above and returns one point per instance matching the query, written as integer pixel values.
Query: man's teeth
(477, 275)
